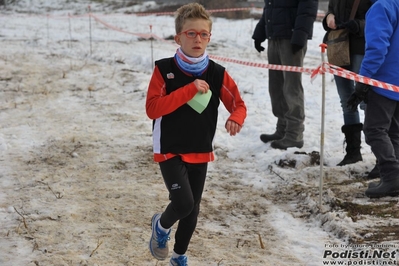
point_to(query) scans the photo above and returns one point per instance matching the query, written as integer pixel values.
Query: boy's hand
(232, 127)
(202, 85)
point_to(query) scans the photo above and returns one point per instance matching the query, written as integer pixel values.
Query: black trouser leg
(185, 183)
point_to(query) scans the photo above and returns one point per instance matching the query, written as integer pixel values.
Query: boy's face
(194, 37)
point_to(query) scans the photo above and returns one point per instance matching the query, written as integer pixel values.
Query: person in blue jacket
(381, 123)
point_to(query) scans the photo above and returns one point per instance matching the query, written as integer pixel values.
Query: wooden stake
(98, 245)
(261, 242)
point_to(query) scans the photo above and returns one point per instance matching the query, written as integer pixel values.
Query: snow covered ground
(77, 182)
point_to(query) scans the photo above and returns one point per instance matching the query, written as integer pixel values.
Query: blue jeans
(345, 88)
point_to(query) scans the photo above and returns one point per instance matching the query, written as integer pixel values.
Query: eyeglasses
(192, 34)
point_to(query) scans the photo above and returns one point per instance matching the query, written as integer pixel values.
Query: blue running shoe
(179, 261)
(159, 240)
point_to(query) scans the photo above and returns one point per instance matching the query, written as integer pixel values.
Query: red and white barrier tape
(259, 9)
(319, 15)
(262, 65)
(341, 72)
(146, 36)
(210, 11)
(321, 69)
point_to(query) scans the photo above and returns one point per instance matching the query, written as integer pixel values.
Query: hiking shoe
(269, 137)
(179, 261)
(159, 240)
(283, 144)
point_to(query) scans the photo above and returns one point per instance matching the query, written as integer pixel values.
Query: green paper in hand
(200, 101)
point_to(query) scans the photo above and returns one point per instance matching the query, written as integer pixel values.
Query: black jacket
(179, 128)
(287, 19)
(342, 9)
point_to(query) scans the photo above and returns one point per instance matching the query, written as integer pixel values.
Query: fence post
(48, 32)
(323, 100)
(90, 30)
(152, 50)
(70, 31)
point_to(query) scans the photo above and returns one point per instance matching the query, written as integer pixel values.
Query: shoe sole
(299, 146)
(370, 177)
(390, 194)
(153, 227)
(268, 139)
(348, 162)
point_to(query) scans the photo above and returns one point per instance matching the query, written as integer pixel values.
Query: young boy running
(183, 132)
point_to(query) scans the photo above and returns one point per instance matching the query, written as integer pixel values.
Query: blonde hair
(191, 11)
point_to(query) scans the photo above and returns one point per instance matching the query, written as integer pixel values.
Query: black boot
(284, 144)
(374, 184)
(279, 134)
(270, 137)
(353, 140)
(374, 173)
(383, 189)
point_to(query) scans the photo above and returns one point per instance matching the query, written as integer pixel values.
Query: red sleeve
(231, 98)
(158, 103)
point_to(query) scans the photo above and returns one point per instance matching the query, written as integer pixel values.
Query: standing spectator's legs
(276, 83)
(345, 88)
(381, 129)
(286, 92)
(352, 127)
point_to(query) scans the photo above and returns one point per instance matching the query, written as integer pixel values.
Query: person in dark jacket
(381, 122)
(337, 17)
(287, 25)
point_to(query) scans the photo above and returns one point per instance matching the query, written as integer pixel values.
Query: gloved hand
(358, 96)
(295, 48)
(352, 26)
(259, 47)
